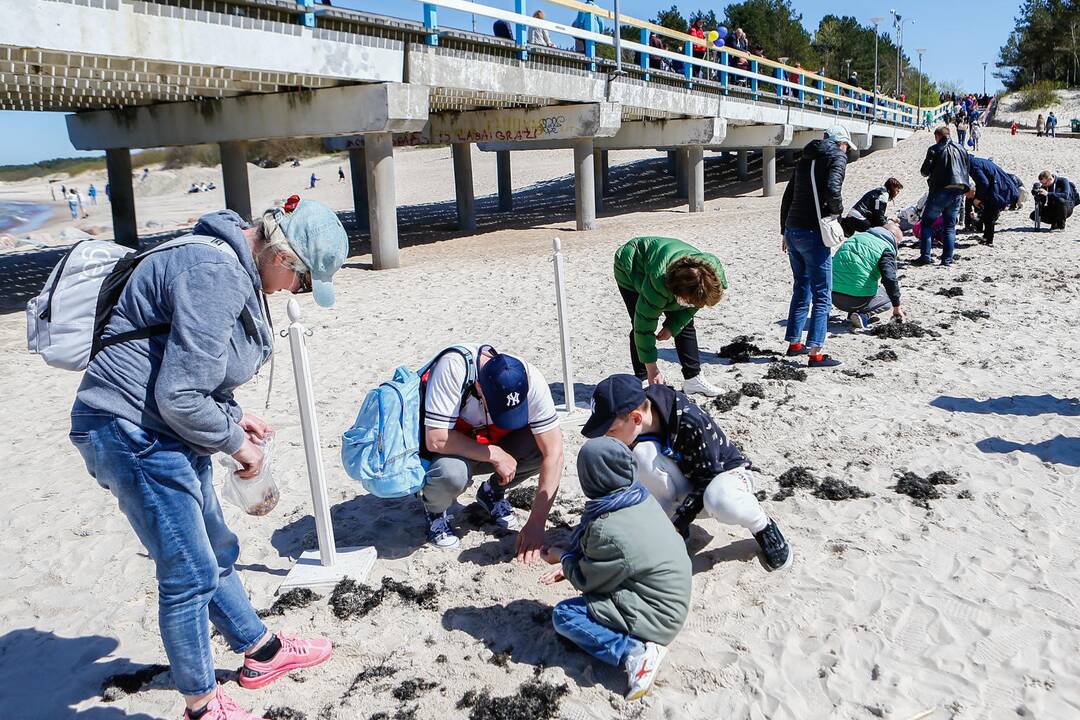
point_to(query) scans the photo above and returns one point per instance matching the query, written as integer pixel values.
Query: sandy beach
(967, 606)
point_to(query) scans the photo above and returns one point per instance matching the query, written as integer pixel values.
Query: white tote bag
(832, 232)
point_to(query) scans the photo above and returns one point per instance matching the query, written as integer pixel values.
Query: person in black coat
(994, 191)
(1056, 197)
(946, 170)
(823, 165)
(871, 209)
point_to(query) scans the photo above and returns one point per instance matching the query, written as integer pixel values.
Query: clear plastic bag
(257, 495)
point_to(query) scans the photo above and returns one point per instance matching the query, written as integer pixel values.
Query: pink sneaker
(294, 654)
(222, 707)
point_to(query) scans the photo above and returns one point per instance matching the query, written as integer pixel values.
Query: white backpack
(66, 321)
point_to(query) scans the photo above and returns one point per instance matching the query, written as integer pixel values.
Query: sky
(958, 37)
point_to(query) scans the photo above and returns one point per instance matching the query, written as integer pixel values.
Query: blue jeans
(945, 203)
(811, 268)
(572, 620)
(167, 493)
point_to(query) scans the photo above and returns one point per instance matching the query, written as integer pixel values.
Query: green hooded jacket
(640, 266)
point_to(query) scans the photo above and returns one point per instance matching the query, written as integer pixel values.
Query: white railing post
(559, 262)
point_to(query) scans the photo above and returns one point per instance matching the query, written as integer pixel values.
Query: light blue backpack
(382, 448)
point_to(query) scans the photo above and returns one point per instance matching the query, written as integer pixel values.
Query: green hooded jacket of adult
(640, 266)
(855, 266)
(633, 571)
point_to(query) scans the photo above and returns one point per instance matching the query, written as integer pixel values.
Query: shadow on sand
(1029, 405)
(1060, 450)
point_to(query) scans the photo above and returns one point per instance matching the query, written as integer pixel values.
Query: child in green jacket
(629, 563)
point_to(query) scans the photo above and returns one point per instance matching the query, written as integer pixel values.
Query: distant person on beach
(340, 175)
(108, 192)
(1039, 124)
(664, 276)
(946, 168)
(486, 412)
(539, 36)
(685, 460)
(872, 208)
(92, 192)
(312, 181)
(993, 191)
(1056, 197)
(976, 135)
(810, 259)
(860, 264)
(194, 188)
(1051, 125)
(145, 174)
(63, 191)
(153, 408)
(73, 204)
(631, 569)
(961, 130)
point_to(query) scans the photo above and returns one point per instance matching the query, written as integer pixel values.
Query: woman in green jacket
(664, 276)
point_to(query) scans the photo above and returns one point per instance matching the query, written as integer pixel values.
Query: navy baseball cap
(505, 384)
(614, 396)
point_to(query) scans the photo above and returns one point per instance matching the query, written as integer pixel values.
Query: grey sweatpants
(854, 303)
(449, 475)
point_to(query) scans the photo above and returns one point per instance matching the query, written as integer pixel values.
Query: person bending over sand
(685, 460)
(631, 568)
(153, 408)
(864, 260)
(871, 209)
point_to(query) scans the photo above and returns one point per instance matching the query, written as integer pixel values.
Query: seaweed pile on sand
(283, 712)
(742, 350)
(295, 599)
(351, 600)
(896, 330)
(785, 371)
(534, 700)
(830, 488)
(954, 291)
(923, 489)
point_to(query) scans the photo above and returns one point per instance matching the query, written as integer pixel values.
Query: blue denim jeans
(572, 620)
(811, 269)
(167, 493)
(947, 204)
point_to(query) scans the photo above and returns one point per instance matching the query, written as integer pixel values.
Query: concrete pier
(234, 174)
(584, 184)
(506, 188)
(463, 187)
(768, 171)
(382, 200)
(741, 171)
(598, 179)
(681, 185)
(358, 176)
(695, 180)
(606, 177)
(122, 196)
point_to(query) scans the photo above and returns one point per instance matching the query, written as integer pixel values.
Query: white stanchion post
(329, 564)
(559, 262)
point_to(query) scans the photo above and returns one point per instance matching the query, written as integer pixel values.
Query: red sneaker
(293, 655)
(222, 707)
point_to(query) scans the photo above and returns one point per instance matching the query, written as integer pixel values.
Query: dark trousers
(1053, 210)
(854, 225)
(686, 346)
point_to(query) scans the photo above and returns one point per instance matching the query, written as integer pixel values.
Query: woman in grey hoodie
(151, 411)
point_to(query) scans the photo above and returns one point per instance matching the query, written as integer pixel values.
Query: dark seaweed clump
(796, 477)
(851, 372)
(727, 401)
(752, 390)
(283, 713)
(351, 600)
(833, 489)
(522, 497)
(409, 690)
(740, 350)
(885, 355)
(117, 686)
(534, 700)
(975, 314)
(923, 489)
(293, 600)
(898, 330)
(500, 659)
(785, 371)
(954, 291)
(965, 495)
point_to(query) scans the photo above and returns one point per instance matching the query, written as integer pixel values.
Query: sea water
(22, 217)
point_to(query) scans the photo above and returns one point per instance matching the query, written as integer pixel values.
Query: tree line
(1042, 45)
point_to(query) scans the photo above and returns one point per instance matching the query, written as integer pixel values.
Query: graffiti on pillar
(497, 130)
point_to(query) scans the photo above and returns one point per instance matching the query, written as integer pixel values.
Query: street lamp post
(984, 78)
(898, 23)
(876, 21)
(918, 120)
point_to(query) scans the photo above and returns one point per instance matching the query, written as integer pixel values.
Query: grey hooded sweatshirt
(181, 384)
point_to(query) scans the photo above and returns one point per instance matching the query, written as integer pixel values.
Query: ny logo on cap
(513, 399)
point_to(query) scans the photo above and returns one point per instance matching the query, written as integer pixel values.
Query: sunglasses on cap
(303, 275)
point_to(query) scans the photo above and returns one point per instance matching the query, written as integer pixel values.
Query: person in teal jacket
(629, 563)
(862, 262)
(664, 276)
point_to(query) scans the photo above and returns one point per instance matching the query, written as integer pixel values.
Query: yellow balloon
(713, 36)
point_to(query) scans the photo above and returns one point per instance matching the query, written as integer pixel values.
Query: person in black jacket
(1056, 198)
(811, 260)
(946, 169)
(993, 191)
(870, 210)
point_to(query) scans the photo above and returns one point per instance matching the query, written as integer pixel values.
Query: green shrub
(1039, 95)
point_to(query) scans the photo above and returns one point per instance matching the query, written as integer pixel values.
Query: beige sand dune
(970, 609)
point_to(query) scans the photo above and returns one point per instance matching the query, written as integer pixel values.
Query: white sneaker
(641, 667)
(501, 511)
(440, 534)
(698, 385)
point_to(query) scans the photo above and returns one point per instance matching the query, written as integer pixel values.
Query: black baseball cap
(614, 396)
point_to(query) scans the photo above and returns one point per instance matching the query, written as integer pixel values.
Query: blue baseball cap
(505, 384)
(318, 238)
(614, 396)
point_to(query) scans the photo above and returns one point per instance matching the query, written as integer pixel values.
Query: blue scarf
(622, 498)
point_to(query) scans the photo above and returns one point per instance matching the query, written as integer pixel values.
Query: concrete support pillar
(672, 163)
(598, 179)
(506, 189)
(695, 178)
(463, 187)
(681, 161)
(122, 196)
(606, 177)
(358, 175)
(584, 184)
(768, 171)
(235, 177)
(742, 174)
(382, 200)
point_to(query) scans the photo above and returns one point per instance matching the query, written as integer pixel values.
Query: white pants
(729, 498)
